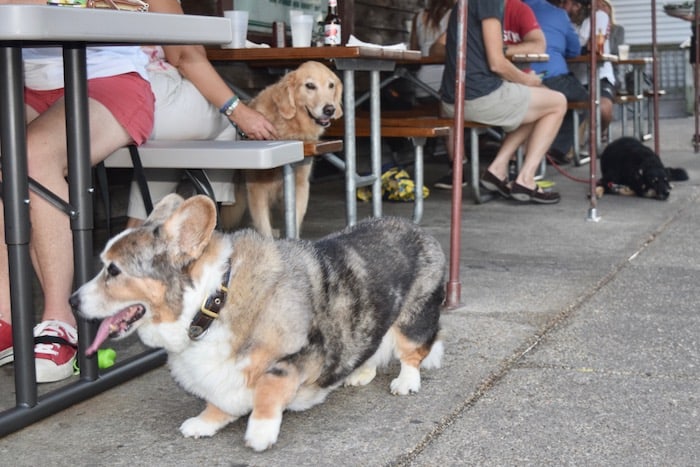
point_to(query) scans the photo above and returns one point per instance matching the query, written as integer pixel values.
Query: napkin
(253, 45)
(355, 42)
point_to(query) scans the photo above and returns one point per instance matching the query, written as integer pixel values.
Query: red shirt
(517, 22)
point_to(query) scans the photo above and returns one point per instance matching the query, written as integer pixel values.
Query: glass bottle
(331, 25)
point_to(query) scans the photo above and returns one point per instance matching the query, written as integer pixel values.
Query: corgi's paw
(361, 376)
(407, 382)
(260, 434)
(196, 427)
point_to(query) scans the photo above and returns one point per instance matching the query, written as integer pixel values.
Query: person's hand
(533, 79)
(253, 123)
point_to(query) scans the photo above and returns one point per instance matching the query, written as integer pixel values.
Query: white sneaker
(56, 345)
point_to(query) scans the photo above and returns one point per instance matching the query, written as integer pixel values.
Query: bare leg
(539, 128)
(51, 246)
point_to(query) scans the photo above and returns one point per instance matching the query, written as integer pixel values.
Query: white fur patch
(434, 358)
(196, 427)
(262, 433)
(407, 382)
(361, 376)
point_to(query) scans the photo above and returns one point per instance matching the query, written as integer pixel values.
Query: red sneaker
(56, 345)
(6, 351)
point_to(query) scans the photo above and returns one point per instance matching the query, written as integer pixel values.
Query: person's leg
(574, 91)
(51, 245)
(607, 99)
(546, 112)
(539, 127)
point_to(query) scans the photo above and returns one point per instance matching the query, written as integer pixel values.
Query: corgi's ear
(164, 209)
(189, 228)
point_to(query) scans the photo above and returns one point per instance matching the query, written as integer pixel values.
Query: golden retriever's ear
(338, 99)
(283, 95)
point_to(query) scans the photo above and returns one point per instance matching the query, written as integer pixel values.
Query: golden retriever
(301, 106)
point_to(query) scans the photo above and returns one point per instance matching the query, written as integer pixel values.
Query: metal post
(593, 112)
(454, 286)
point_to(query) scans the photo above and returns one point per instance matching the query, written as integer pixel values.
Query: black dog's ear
(676, 174)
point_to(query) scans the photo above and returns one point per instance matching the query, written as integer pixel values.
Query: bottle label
(331, 34)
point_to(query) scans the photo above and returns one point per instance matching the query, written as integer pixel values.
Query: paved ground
(576, 343)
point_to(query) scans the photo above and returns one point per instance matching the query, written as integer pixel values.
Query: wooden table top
(587, 58)
(297, 54)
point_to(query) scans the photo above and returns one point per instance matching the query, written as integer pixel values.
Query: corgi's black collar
(209, 311)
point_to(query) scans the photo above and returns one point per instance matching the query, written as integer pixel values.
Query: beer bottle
(331, 25)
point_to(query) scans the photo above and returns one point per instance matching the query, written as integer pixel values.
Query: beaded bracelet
(228, 108)
(230, 105)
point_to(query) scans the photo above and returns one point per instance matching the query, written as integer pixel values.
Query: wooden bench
(418, 129)
(214, 154)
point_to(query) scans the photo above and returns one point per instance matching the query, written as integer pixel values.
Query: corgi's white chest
(208, 370)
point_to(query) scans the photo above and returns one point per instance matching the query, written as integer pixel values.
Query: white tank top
(43, 67)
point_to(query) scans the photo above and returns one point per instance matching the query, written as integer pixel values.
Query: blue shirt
(562, 39)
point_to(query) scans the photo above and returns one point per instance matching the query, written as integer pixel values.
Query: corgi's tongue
(103, 333)
(116, 326)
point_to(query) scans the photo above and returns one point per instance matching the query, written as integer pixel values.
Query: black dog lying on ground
(630, 168)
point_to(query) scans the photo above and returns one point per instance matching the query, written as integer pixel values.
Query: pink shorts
(128, 97)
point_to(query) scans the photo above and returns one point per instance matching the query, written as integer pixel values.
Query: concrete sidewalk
(577, 343)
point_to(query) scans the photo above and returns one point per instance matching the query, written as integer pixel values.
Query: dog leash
(564, 172)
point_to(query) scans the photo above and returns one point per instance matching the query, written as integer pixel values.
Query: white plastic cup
(239, 28)
(623, 51)
(293, 13)
(302, 28)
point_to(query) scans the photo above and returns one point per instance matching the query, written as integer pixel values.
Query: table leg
(80, 187)
(376, 142)
(349, 145)
(15, 195)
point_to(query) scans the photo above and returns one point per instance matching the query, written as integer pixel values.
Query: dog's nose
(74, 301)
(328, 110)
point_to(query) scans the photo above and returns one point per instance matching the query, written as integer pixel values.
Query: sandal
(492, 183)
(525, 194)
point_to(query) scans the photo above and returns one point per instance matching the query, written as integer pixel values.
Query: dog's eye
(113, 270)
(310, 86)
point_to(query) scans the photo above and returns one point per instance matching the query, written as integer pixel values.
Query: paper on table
(355, 42)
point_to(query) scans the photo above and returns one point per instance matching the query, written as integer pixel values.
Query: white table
(73, 29)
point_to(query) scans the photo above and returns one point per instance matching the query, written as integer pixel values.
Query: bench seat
(215, 154)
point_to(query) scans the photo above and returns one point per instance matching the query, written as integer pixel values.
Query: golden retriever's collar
(209, 311)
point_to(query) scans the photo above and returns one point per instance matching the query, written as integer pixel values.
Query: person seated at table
(428, 36)
(616, 37)
(562, 43)
(498, 93)
(182, 112)
(522, 33)
(120, 107)
(580, 15)
(429, 25)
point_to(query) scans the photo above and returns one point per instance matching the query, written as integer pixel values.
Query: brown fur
(289, 104)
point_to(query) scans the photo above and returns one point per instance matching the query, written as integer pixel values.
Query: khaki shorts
(505, 107)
